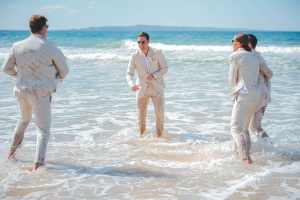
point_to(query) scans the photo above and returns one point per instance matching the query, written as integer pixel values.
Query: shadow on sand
(120, 171)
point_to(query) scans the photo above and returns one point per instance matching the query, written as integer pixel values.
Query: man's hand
(149, 77)
(134, 88)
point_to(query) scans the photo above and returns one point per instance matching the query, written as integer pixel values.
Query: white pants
(40, 104)
(244, 107)
(255, 124)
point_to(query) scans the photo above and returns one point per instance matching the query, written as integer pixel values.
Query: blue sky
(66, 14)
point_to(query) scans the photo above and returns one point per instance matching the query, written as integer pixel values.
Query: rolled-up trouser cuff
(262, 134)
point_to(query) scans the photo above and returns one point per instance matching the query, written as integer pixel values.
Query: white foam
(94, 54)
(213, 48)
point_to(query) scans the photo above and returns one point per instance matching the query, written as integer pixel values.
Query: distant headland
(158, 28)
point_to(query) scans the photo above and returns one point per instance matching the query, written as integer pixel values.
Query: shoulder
(157, 53)
(134, 54)
(241, 53)
(257, 55)
(50, 44)
(155, 50)
(238, 55)
(20, 43)
(233, 55)
(256, 52)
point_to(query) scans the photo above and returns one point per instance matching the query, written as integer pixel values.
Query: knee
(25, 119)
(24, 122)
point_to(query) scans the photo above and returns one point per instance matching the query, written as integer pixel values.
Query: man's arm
(130, 72)
(264, 69)
(59, 60)
(162, 64)
(9, 64)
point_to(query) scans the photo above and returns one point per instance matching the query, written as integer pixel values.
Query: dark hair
(252, 40)
(36, 23)
(243, 39)
(146, 35)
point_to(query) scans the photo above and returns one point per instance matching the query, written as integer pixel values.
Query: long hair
(243, 39)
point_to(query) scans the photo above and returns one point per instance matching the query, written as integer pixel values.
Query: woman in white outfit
(247, 92)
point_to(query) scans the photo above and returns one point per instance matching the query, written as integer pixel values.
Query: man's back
(39, 64)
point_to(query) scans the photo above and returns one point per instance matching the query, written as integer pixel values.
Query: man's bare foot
(158, 134)
(32, 167)
(12, 152)
(247, 160)
(37, 165)
(142, 133)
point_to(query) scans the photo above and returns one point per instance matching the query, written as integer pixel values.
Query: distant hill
(157, 28)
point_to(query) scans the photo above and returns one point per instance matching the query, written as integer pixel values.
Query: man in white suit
(248, 93)
(38, 66)
(255, 124)
(150, 66)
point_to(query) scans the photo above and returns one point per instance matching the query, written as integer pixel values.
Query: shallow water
(95, 153)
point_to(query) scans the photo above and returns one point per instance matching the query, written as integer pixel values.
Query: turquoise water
(95, 153)
(96, 39)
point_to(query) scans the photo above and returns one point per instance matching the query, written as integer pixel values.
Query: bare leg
(12, 152)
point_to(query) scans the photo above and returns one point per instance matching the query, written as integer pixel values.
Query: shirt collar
(150, 52)
(241, 49)
(37, 35)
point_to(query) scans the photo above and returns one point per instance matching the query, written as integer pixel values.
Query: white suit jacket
(37, 64)
(245, 69)
(157, 67)
(265, 80)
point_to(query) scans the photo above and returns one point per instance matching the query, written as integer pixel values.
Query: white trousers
(255, 124)
(244, 107)
(40, 105)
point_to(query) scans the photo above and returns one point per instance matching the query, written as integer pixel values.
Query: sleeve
(163, 67)
(130, 71)
(233, 71)
(9, 64)
(264, 69)
(60, 63)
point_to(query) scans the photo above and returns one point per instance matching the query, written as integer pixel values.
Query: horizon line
(162, 27)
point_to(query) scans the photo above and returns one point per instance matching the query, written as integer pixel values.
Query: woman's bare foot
(247, 160)
(12, 152)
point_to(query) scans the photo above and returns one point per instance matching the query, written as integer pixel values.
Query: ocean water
(95, 153)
